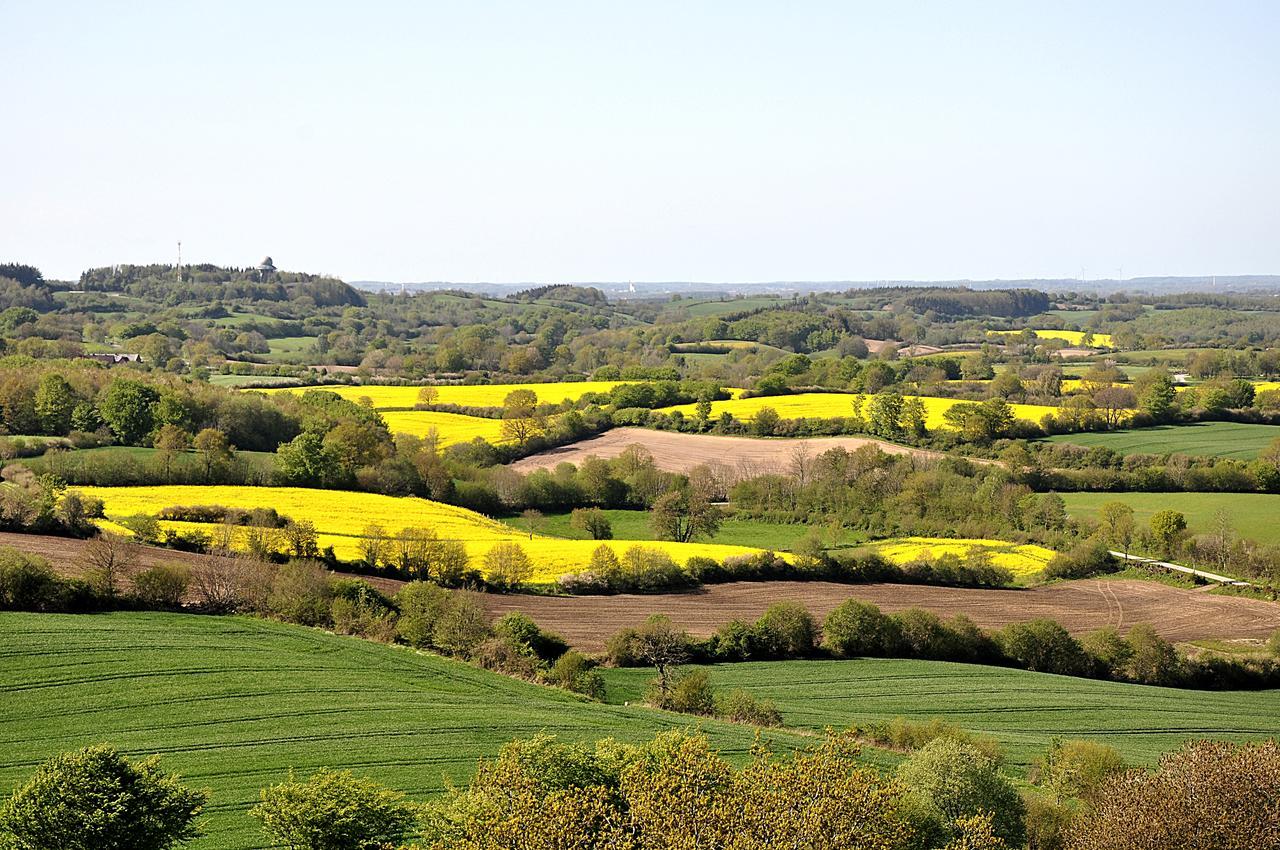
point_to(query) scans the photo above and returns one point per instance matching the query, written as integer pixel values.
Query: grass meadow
(634, 525)
(1023, 711)
(1237, 440)
(233, 704)
(1253, 515)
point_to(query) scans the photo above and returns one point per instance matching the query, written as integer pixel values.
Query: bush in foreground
(333, 810)
(1209, 795)
(956, 780)
(673, 792)
(96, 799)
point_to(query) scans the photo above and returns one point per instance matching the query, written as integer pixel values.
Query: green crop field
(702, 309)
(289, 346)
(65, 464)
(256, 380)
(634, 525)
(1209, 439)
(1253, 515)
(233, 703)
(1023, 711)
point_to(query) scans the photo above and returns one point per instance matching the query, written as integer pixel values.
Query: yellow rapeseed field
(1073, 337)
(830, 405)
(478, 395)
(1023, 560)
(450, 428)
(341, 517)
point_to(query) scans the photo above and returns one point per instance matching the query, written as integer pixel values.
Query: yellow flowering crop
(450, 427)
(341, 518)
(1073, 337)
(1023, 560)
(830, 405)
(477, 395)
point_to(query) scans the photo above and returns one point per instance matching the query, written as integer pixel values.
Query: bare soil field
(588, 621)
(676, 452)
(66, 555)
(1081, 606)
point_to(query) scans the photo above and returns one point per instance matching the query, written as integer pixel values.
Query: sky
(657, 141)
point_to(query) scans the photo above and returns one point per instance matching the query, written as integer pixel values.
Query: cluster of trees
(677, 791)
(859, 629)
(1166, 537)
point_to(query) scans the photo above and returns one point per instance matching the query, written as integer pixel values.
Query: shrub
(28, 583)
(1084, 559)
(1076, 768)
(1048, 821)
(1043, 646)
(742, 707)
(301, 593)
(333, 810)
(358, 608)
(462, 627)
(786, 630)
(647, 568)
(1206, 796)
(736, 640)
(96, 799)
(507, 564)
(1108, 649)
(1274, 644)
(575, 672)
(859, 628)
(421, 605)
(959, 781)
(500, 654)
(162, 586)
(524, 634)
(922, 635)
(1154, 660)
(593, 521)
(690, 693)
(911, 735)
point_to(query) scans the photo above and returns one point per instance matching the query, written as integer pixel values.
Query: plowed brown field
(1081, 606)
(676, 452)
(587, 621)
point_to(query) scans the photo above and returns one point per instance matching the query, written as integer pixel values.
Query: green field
(233, 703)
(1024, 711)
(289, 346)
(1207, 439)
(634, 525)
(1252, 514)
(256, 380)
(135, 458)
(700, 309)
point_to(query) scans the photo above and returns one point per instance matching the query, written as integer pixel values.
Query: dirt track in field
(1081, 606)
(676, 452)
(587, 621)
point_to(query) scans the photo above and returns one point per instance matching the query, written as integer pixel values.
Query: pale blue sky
(714, 141)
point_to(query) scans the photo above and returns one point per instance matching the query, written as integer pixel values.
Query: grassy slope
(634, 525)
(264, 462)
(1253, 514)
(1024, 711)
(233, 703)
(219, 380)
(1211, 439)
